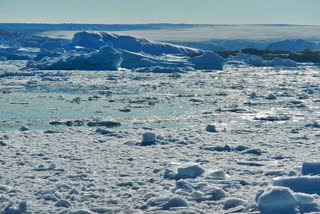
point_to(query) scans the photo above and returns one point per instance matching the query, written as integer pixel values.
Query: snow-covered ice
(159, 135)
(82, 152)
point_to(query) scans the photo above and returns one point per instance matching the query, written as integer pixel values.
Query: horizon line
(159, 23)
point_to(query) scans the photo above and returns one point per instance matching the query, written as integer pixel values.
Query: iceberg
(106, 58)
(132, 44)
(248, 59)
(278, 62)
(258, 61)
(208, 61)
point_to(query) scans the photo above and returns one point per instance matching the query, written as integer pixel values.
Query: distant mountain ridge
(39, 27)
(293, 45)
(36, 28)
(22, 40)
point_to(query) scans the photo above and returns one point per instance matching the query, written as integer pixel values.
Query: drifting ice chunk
(214, 194)
(148, 139)
(233, 202)
(191, 171)
(305, 184)
(218, 175)
(174, 202)
(211, 128)
(306, 203)
(208, 61)
(277, 200)
(97, 40)
(107, 58)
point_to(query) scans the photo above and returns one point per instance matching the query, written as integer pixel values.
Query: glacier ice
(277, 62)
(248, 59)
(106, 58)
(129, 43)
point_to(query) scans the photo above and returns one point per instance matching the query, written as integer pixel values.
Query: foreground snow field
(237, 141)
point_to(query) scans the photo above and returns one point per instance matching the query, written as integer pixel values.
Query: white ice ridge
(129, 43)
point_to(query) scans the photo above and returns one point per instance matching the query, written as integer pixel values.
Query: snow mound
(107, 58)
(277, 200)
(208, 61)
(133, 44)
(292, 45)
(304, 184)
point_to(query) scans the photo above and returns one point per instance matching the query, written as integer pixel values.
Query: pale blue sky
(162, 11)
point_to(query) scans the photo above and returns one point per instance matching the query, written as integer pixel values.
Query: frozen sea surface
(55, 161)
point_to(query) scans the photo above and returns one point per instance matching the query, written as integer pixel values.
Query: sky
(304, 12)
